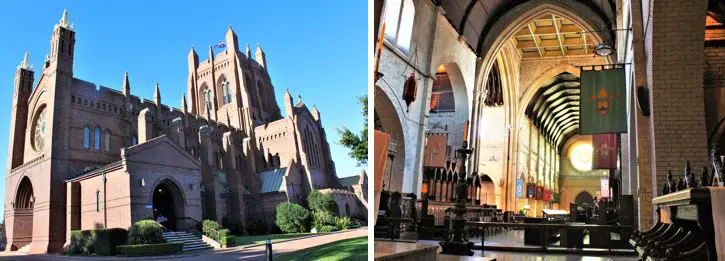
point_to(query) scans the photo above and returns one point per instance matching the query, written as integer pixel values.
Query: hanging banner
(540, 192)
(604, 187)
(435, 151)
(604, 155)
(519, 188)
(556, 198)
(603, 102)
(547, 195)
(531, 190)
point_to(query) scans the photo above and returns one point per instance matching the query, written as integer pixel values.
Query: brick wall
(675, 70)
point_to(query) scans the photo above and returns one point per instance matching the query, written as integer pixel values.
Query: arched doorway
(23, 214)
(168, 204)
(584, 197)
(488, 190)
(386, 120)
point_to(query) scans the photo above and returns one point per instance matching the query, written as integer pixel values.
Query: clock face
(39, 131)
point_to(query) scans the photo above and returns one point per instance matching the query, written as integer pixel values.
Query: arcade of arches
(513, 68)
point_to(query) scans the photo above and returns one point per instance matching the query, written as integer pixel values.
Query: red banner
(604, 155)
(547, 195)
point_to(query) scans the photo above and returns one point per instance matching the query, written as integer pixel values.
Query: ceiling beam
(558, 36)
(536, 41)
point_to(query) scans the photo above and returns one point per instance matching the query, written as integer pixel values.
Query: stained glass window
(39, 131)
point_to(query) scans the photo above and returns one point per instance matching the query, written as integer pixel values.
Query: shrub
(213, 230)
(227, 241)
(106, 240)
(256, 227)
(322, 218)
(235, 226)
(319, 201)
(292, 218)
(82, 242)
(343, 223)
(145, 232)
(151, 249)
(326, 229)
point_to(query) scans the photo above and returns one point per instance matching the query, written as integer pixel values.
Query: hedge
(227, 241)
(107, 240)
(151, 249)
(292, 218)
(98, 241)
(82, 242)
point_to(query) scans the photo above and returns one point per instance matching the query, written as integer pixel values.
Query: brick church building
(83, 156)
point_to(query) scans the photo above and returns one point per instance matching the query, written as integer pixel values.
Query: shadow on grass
(349, 249)
(249, 240)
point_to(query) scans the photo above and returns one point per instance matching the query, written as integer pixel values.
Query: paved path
(254, 253)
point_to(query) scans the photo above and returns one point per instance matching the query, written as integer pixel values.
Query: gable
(160, 151)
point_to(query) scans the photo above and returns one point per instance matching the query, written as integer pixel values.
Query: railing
(544, 230)
(197, 225)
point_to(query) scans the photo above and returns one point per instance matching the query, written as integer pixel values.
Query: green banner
(603, 104)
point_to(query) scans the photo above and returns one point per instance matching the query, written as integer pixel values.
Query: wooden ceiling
(554, 36)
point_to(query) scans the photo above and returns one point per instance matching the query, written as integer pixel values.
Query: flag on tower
(603, 102)
(221, 44)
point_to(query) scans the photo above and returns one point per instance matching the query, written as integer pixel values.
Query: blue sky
(318, 50)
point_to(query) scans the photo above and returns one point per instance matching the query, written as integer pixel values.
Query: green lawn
(249, 240)
(349, 249)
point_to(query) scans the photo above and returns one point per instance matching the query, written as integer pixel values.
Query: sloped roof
(349, 181)
(272, 180)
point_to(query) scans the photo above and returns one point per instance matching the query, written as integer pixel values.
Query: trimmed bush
(235, 226)
(343, 223)
(82, 242)
(151, 249)
(292, 218)
(227, 241)
(323, 218)
(106, 240)
(145, 232)
(318, 201)
(326, 229)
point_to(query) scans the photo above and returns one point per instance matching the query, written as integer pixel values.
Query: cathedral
(83, 156)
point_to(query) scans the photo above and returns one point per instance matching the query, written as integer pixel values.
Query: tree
(358, 144)
(292, 218)
(322, 202)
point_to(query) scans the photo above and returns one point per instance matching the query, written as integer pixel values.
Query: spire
(261, 57)
(211, 53)
(288, 103)
(299, 97)
(126, 84)
(248, 52)
(25, 63)
(157, 94)
(315, 113)
(183, 102)
(64, 22)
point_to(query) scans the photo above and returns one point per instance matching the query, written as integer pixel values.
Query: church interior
(568, 130)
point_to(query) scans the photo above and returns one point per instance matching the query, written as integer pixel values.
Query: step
(191, 241)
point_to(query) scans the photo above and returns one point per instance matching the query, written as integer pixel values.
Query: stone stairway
(191, 241)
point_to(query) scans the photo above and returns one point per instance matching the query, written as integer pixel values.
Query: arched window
(97, 139)
(226, 92)
(107, 141)
(207, 97)
(441, 99)
(98, 201)
(134, 140)
(86, 138)
(399, 16)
